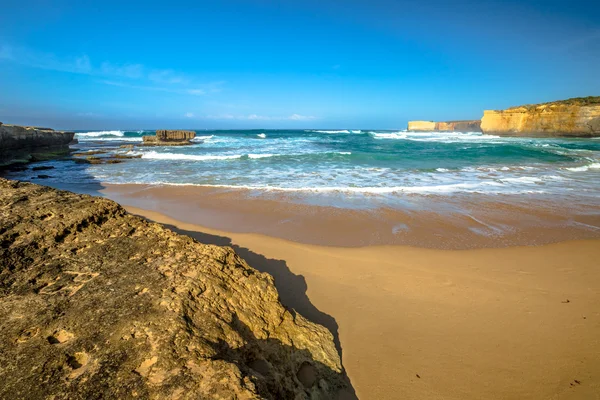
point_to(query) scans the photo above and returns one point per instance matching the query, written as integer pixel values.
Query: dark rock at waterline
(42, 168)
(97, 303)
(23, 144)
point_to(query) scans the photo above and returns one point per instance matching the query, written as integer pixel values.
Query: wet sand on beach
(519, 322)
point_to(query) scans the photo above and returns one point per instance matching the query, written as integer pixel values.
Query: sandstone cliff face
(459, 126)
(169, 138)
(20, 142)
(97, 303)
(449, 126)
(566, 118)
(425, 126)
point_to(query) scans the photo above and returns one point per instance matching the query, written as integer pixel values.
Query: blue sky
(288, 64)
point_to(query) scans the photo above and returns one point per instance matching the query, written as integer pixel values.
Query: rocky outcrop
(425, 126)
(169, 138)
(24, 143)
(449, 126)
(97, 303)
(573, 117)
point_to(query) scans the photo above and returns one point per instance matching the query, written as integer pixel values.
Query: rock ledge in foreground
(98, 303)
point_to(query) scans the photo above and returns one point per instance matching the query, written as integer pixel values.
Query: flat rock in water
(98, 303)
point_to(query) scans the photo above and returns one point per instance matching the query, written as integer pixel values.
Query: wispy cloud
(298, 117)
(75, 64)
(167, 89)
(257, 117)
(167, 76)
(130, 75)
(189, 115)
(132, 71)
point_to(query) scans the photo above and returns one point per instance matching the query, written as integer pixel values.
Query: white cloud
(148, 79)
(167, 76)
(189, 115)
(170, 89)
(298, 117)
(196, 92)
(132, 71)
(35, 59)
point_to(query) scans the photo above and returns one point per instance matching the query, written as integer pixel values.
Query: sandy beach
(518, 322)
(441, 222)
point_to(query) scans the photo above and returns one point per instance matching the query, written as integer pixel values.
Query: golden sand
(414, 323)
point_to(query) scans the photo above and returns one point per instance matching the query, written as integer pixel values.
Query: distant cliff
(20, 143)
(572, 117)
(449, 126)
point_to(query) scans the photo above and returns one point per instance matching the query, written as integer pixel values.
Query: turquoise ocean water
(371, 163)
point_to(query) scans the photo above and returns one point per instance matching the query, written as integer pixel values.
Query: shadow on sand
(291, 287)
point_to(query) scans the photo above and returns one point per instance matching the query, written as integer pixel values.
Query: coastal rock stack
(449, 126)
(96, 302)
(578, 117)
(169, 138)
(24, 143)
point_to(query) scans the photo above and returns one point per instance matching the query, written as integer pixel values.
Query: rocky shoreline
(97, 302)
(21, 144)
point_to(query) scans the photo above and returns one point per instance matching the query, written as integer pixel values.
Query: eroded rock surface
(20, 143)
(448, 126)
(573, 117)
(97, 303)
(165, 137)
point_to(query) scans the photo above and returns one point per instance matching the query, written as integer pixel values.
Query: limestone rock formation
(98, 303)
(425, 126)
(169, 138)
(448, 126)
(21, 143)
(573, 117)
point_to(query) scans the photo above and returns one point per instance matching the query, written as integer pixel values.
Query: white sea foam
(584, 168)
(202, 138)
(261, 155)
(101, 133)
(522, 179)
(444, 137)
(342, 131)
(262, 135)
(481, 187)
(388, 135)
(153, 155)
(109, 139)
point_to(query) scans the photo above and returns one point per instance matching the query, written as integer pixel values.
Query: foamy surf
(100, 133)
(584, 168)
(387, 165)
